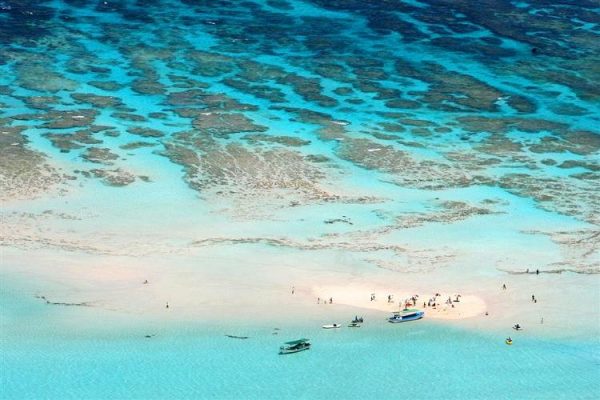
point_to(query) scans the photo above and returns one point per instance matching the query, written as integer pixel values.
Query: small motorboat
(508, 341)
(517, 327)
(353, 325)
(406, 315)
(332, 326)
(294, 346)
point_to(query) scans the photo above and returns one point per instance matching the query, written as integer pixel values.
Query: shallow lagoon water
(365, 138)
(374, 362)
(197, 360)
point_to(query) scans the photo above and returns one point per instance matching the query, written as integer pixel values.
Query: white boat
(332, 326)
(406, 315)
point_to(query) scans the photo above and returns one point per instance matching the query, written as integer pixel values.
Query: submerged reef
(24, 173)
(283, 105)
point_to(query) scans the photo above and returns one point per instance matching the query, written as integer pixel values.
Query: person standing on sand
(293, 289)
(331, 300)
(318, 300)
(504, 286)
(167, 306)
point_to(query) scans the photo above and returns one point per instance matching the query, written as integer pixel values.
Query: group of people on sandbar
(325, 301)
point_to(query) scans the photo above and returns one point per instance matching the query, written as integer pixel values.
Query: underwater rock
(111, 133)
(99, 155)
(580, 164)
(185, 82)
(403, 104)
(158, 115)
(280, 4)
(69, 119)
(96, 100)
(145, 132)
(568, 109)
(71, 141)
(274, 95)
(42, 78)
(309, 89)
(224, 124)
(109, 86)
(317, 158)
(450, 211)
(136, 145)
(210, 64)
(521, 104)
(284, 140)
(41, 102)
(343, 91)
(128, 116)
(116, 177)
(148, 86)
(252, 71)
(384, 136)
(222, 102)
(193, 97)
(392, 127)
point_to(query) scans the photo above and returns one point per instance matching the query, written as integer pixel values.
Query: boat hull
(292, 351)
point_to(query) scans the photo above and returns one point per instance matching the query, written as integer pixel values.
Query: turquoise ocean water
(464, 133)
(390, 362)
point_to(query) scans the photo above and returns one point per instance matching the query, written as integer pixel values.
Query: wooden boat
(508, 341)
(406, 315)
(294, 346)
(353, 325)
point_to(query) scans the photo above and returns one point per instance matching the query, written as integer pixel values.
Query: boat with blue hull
(406, 316)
